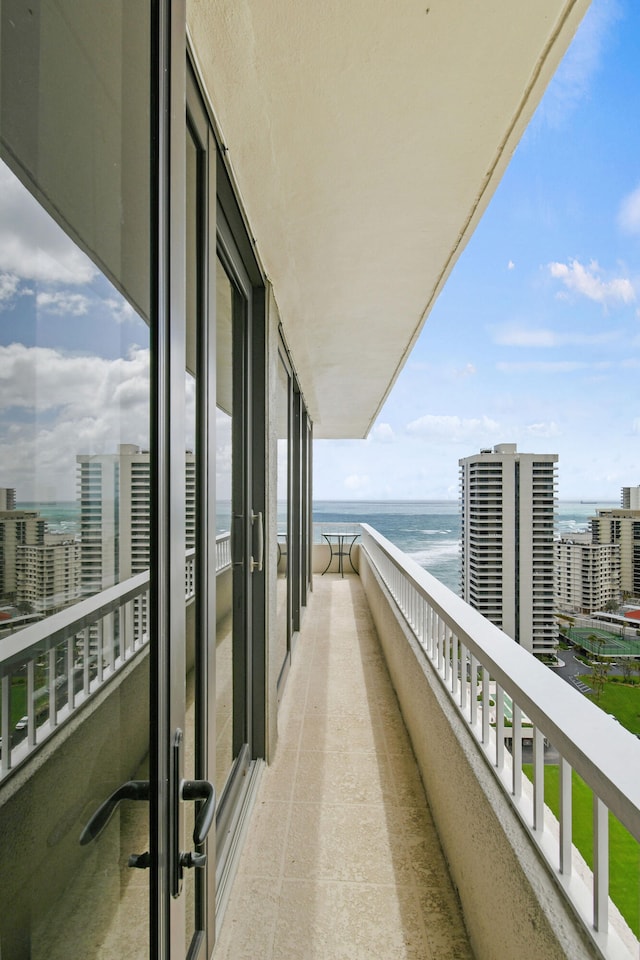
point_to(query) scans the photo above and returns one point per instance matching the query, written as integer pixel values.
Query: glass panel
(283, 417)
(225, 296)
(75, 475)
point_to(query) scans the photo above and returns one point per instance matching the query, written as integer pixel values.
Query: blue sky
(535, 338)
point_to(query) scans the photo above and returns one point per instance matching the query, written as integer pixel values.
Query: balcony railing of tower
(477, 664)
(55, 665)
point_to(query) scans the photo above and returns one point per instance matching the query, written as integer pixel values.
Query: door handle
(257, 564)
(201, 790)
(131, 790)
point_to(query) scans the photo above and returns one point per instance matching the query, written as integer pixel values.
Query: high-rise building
(17, 528)
(115, 505)
(630, 498)
(587, 574)
(622, 527)
(48, 574)
(7, 498)
(508, 515)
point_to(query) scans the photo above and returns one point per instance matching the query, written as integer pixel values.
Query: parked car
(22, 723)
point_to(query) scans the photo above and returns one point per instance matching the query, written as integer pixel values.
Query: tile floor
(342, 860)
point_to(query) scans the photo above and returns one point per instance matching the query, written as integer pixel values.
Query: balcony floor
(342, 859)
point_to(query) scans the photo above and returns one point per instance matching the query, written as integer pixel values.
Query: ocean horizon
(426, 530)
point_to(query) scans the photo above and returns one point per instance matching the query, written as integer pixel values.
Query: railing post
(538, 779)
(499, 727)
(600, 864)
(486, 707)
(53, 703)
(31, 702)
(5, 722)
(566, 825)
(516, 751)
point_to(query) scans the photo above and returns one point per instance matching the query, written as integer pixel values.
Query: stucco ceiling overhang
(366, 138)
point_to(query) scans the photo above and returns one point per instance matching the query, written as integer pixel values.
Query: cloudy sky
(535, 339)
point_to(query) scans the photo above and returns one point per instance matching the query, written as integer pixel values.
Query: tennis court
(603, 643)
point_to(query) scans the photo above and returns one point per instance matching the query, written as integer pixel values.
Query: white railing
(55, 665)
(477, 663)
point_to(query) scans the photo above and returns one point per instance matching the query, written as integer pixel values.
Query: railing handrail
(595, 745)
(70, 621)
(66, 623)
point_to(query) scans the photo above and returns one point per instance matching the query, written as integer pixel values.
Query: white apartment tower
(508, 502)
(587, 574)
(48, 574)
(115, 505)
(630, 498)
(621, 527)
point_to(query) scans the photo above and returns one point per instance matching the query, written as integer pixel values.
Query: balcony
(395, 814)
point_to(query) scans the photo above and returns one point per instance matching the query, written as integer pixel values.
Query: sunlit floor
(342, 859)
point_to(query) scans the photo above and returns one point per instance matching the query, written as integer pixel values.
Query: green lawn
(624, 851)
(620, 699)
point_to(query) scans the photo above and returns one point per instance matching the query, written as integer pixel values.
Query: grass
(620, 699)
(624, 851)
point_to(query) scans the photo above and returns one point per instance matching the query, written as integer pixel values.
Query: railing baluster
(31, 701)
(566, 814)
(440, 645)
(516, 752)
(99, 654)
(464, 686)
(5, 722)
(486, 707)
(499, 727)
(600, 864)
(454, 665)
(53, 703)
(473, 691)
(85, 660)
(71, 693)
(538, 779)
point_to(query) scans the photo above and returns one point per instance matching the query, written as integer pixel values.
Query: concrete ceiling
(366, 138)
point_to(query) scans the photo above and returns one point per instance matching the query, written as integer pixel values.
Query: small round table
(340, 546)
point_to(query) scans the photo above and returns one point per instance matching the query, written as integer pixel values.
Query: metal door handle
(257, 564)
(131, 790)
(201, 790)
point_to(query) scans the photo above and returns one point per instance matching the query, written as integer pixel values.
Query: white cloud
(453, 429)
(8, 286)
(467, 371)
(63, 303)
(585, 280)
(511, 265)
(635, 426)
(513, 335)
(57, 406)
(382, 433)
(32, 245)
(629, 213)
(549, 429)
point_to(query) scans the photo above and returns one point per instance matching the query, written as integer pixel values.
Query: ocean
(427, 530)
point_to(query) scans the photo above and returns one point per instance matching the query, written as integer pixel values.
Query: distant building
(630, 498)
(115, 515)
(508, 516)
(17, 528)
(7, 498)
(48, 574)
(587, 574)
(622, 527)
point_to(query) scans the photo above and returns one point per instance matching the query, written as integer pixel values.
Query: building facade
(18, 528)
(630, 498)
(587, 574)
(621, 527)
(48, 574)
(508, 515)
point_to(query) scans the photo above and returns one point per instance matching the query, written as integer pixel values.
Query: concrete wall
(511, 904)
